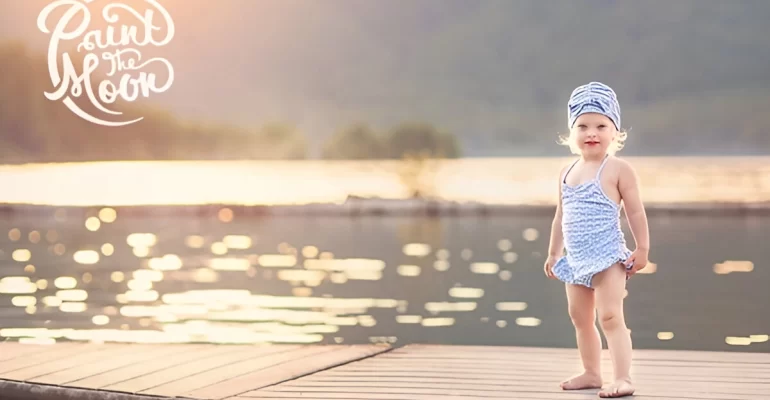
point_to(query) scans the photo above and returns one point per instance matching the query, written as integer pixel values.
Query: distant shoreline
(462, 186)
(367, 207)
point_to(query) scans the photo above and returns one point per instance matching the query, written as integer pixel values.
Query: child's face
(593, 133)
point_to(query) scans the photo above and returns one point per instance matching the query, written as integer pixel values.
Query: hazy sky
(468, 66)
(216, 52)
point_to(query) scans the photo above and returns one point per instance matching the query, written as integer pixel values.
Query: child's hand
(637, 260)
(548, 267)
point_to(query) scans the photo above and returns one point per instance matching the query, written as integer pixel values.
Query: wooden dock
(84, 371)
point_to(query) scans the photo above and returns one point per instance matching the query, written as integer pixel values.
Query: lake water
(94, 275)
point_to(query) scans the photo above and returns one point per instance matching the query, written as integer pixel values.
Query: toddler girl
(597, 263)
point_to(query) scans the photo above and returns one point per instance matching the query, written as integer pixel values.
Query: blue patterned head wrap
(594, 97)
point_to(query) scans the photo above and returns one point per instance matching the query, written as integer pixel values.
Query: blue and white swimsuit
(591, 229)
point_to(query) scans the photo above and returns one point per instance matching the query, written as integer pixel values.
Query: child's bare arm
(628, 185)
(556, 245)
(632, 202)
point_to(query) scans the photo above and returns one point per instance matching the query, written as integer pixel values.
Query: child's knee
(611, 320)
(581, 318)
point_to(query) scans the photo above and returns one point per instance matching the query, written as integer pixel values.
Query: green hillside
(693, 77)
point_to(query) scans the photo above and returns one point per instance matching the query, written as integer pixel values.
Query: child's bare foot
(619, 388)
(583, 381)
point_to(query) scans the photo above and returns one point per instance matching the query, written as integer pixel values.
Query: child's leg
(583, 315)
(610, 286)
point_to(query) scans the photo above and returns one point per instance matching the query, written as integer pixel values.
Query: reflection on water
(358, 280)
(733, 266)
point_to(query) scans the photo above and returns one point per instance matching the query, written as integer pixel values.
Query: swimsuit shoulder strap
(564, 178)
(601, 167)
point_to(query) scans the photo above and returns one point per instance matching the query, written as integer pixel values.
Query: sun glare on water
(490, 180)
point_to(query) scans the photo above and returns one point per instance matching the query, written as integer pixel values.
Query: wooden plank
(311, 397)
(228, 356)
(517, 396)
(288, 370)
(11, 350)
(450, 365)
(545, 363)
(352, 396)
(763, 387)
(641, 353)
(546, 377)
(560, 369)
(528, 391)
(104, 379)
(98, 352)
(549, 376)
(540, 358)
(56, 352)
(671, 355)
(362, 397)
(346, 396)
(210, 377)
(140, 354)
(511, 385)
(559, 359)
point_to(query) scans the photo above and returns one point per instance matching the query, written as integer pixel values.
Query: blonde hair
(617, 144)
